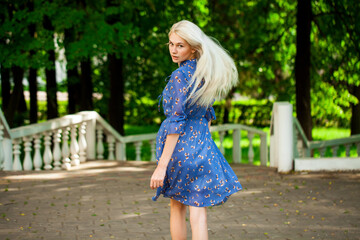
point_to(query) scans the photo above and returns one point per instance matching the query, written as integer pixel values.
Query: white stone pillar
(82, 142)
(38, 161)
(28, 164)
(74, 147)
(57, 150)
(65, 152)
(48, 157)
(16, 151)
(100, 144)
(282, 137)
(91, 139)
(8, 154)
(111, 146)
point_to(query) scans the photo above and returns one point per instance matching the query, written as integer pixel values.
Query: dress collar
(190, 62)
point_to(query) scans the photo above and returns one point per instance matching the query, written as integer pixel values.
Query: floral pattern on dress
(197, 173)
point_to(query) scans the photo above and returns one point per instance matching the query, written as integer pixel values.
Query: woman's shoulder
(179, 73)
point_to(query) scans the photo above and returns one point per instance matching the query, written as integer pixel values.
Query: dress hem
(225, 198)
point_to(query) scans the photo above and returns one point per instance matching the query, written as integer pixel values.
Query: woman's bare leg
(177, 220)
(198, 221)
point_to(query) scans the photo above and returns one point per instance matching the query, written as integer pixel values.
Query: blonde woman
(191, 170)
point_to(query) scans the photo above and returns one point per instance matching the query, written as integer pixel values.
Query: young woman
(191, 170)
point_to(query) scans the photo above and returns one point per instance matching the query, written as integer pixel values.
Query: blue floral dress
(197, 173)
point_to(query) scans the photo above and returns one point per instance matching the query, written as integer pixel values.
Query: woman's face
(179, 49)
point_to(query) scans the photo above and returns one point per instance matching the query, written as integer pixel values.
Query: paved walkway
(111, 200)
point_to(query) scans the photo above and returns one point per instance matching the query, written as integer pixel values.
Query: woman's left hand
(157, 179)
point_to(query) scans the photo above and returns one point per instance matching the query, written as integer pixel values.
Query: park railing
(304, 148)
(291, 150)
(70, 140)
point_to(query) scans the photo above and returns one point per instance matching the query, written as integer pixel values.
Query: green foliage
(260, 35)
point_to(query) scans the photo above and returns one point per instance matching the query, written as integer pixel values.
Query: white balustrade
(16, 151)
(65, 152)
(57, 150)
(335, 150)
(2, 155)
(99, 143)
(66, 141)
(82, 142)
(347, 147)
(38, 162)
(322, 151)
(48, 158)
(74, 147)
(138, 150)
(221, 137)
(28, 164)
(153, 150)
(251, 149)
(111, 147)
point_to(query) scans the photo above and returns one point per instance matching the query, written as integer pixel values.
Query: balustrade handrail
(63, 122)
(335, 142)
(301, 131)
(312, 145)
(5, 125)
(232, 126)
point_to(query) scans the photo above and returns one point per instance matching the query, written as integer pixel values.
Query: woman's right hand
(157, 179)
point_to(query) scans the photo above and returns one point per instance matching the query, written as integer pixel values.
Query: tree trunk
(50, 73)
(355, 118)
(33, 95)
(302, 66)
(86, 86)
(32, 75)
(117, 89)
(228, 106)
(5, 87)
(74, 90)
(73, 79)
(17, 103)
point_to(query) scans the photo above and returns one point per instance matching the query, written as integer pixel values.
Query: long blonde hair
(215, 72)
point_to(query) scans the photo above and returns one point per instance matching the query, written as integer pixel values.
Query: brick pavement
(112, 200)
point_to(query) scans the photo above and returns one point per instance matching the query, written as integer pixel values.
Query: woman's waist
(188, 118)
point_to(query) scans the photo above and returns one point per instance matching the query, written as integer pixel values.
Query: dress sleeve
(210, 114)
(177, 117)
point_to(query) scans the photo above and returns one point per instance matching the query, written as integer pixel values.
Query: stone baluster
(335, 150)
(138, 150)
(28, 164)
(82, 142)
(111, 146)
(153, 150)
(263, 150)
(322, 151)
(74, 147)
(2, 155)
(251, 149)
(65, 149)
(347, 147)
(57, 150)
(38, 162)
(236, 145)
(16, 151)
(221, 136)
(48, 157)
(99, 143)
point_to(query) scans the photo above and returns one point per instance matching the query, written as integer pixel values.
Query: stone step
(327, 164)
